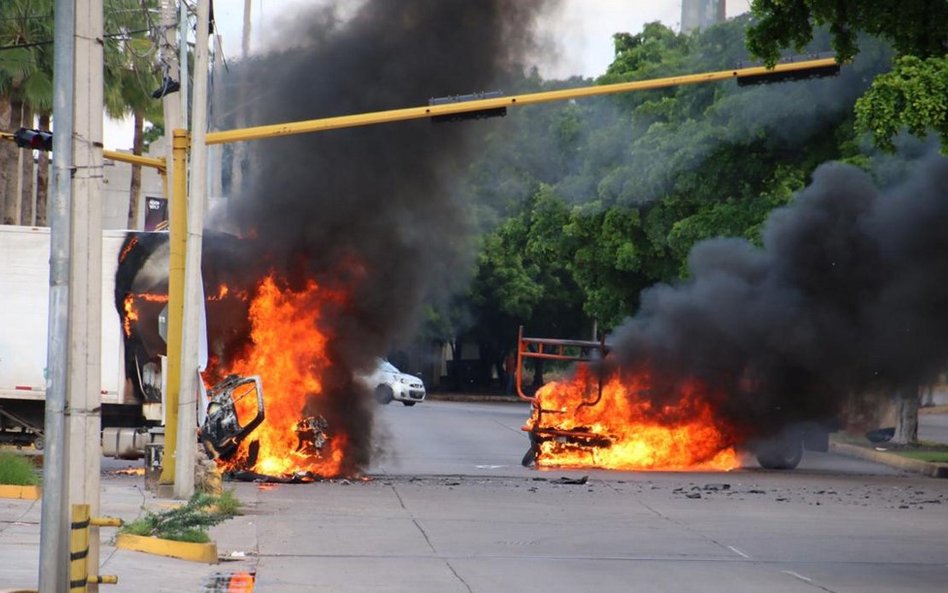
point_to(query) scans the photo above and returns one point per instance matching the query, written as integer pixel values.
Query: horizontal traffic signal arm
(798, 69)
(113, 155)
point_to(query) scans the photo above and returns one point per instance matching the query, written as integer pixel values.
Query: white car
(388, 383)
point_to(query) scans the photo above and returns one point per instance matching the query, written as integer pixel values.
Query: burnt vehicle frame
(782, 451)
(580, 351)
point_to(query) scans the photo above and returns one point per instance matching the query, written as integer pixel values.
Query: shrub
(188, 523)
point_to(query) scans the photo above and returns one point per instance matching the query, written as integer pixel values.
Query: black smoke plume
(848, 295)
(370, 210)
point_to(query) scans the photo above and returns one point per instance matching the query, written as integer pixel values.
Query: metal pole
(177, 242)
(190, 332)
(83, 395)
(54, 517)
(239, 153)
(170, 103)
(183, 60)
(381, 117)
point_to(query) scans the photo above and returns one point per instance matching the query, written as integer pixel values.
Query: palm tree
(25, 88)
(131, 74)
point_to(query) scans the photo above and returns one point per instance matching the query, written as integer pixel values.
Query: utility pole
(239, 150)
(183, 60)
(193, 288)
(54, 518)
(171, 104)
(84, 399)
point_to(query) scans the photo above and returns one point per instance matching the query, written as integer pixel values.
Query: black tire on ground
(409, 404)
(383, 394)
(530, 457)
(783, 454)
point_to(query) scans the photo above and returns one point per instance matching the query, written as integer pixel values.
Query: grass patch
(932, 456)
(17, 470)
(187, 523)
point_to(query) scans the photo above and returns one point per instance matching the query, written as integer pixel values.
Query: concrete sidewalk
(121, 496)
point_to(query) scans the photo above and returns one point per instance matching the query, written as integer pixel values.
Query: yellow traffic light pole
(381, 117)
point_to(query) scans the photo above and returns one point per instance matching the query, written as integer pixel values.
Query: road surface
(449, 508)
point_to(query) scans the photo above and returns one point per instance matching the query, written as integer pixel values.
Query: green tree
(25, 89)
(912, 96)
(131, 74)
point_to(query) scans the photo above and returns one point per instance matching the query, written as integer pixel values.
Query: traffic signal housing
(34, 139)
(468, 115)
(804, 72)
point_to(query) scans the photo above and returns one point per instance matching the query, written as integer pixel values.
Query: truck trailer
(128, 421)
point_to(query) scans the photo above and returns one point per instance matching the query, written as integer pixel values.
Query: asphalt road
(449, 508)
(933, 427)
(455, 438)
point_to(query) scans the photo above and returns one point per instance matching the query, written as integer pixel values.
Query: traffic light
(805, 72)
(34, 139)
(478, 114)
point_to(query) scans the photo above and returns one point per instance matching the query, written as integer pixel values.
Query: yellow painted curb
(24, 492)
(194, 552)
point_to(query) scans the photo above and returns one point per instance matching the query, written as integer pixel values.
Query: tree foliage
(583, 204)
(912, 96)
(26, 86)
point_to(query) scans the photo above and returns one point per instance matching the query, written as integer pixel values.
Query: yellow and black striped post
(79, 548)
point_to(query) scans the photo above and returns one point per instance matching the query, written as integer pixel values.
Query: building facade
(699, 14)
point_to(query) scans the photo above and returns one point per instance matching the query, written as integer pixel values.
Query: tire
(383, 394)
(39, 443)
(783, 454)
(530, 457)
(409, 404)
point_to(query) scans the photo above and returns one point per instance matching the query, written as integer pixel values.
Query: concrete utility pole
(54, 518)
(84, 399)
(171, 105)
(193, 288)
(239, 153)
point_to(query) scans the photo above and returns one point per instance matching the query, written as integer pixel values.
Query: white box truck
(128, 423)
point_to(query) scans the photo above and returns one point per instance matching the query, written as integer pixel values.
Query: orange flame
(241, 582)
(621, 430)
(131, 308)
(128, 249)
(289, 353)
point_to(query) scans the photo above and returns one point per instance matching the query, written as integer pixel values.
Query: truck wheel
(39, 443)
(783, 454)
(383, 394)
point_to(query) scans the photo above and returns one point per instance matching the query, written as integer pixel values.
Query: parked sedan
(388, 383)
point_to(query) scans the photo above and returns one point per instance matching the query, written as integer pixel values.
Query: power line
(50, 41)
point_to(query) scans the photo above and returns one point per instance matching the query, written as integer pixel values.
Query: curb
(474, 397)
(194, 552)
(20, 492)
(934, 470)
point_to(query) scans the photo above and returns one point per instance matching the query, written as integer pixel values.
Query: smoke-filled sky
(582, 30)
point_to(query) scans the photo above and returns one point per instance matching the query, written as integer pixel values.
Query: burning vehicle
(608, 417)
(272, 385)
